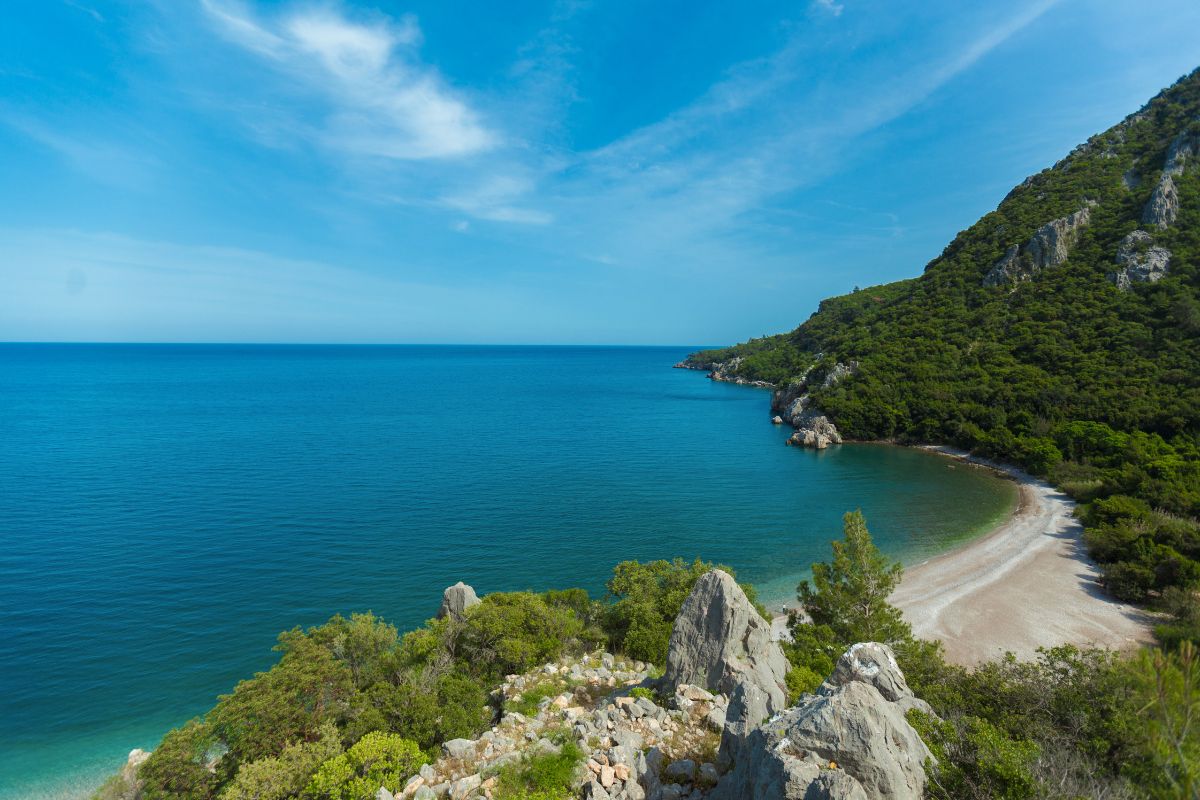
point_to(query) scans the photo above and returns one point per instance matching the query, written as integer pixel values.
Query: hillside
(1061, 333)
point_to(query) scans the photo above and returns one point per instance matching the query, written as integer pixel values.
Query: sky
(560, 172)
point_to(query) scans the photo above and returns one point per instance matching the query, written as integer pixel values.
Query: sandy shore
(1025, 585)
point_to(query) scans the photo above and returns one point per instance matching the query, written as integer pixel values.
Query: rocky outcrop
(456, 600)
(1162, 209)
(720, 641)
(1049, 246)
(849, 741)
(1139, 261)
(795, 406)
(724, 371)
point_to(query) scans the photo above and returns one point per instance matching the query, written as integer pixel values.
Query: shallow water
(167, 510)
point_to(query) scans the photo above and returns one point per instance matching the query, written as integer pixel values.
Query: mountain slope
(1060, 332)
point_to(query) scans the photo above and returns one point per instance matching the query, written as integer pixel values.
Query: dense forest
(1061, 333)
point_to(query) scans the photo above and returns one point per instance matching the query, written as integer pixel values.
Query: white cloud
(380, 99)
(829, 7)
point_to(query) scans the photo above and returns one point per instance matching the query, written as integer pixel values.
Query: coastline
(1026, 584)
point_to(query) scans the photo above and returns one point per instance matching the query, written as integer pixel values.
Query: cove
(168, 509)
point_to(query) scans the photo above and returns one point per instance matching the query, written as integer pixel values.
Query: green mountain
(1061, 332)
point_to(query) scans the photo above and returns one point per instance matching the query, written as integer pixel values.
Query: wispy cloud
(829, 7)
(380, 99)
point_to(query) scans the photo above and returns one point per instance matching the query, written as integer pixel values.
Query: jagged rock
(719, 641)
(383, 794)
(856, 721)
(814, 429)
(747, 708)
(424, 793)
(1138, 260)
(1163, 206)
(776, 420)
(456, 600)
(1049, 246)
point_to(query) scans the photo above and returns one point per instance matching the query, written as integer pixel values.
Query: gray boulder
(456, 600)
(1162, 208)
(850, 741)
(719, 641)
(1139, 261)
(1049, 246)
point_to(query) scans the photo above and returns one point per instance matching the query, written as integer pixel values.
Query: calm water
(167, 510)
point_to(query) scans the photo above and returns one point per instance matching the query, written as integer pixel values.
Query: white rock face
(1049, 246)
(719, 641)
(1139, 261)
(850, 741)
(1163, 207)
(456, 600)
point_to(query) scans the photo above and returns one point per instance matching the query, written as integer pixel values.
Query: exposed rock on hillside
(851, 740)
(1163, 207)
(725, 371)
(1050, 246)
(719, 642)
(794, 405)
(1139, 261)
(456, 600)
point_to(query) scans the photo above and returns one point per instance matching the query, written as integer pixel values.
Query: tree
(286, 775)
(181, 768)
(850, 593)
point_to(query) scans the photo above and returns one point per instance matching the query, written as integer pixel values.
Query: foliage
(1170, 685)
(180, 768)
(1064, 375)
(646, 598)
(284, 776)
(378, 759)
(974, 759)
(849, 594)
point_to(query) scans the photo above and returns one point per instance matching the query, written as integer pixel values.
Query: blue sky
(557, 172)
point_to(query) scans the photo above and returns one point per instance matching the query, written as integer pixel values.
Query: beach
(1027, 584)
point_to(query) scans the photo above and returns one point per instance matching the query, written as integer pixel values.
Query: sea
(167, 510)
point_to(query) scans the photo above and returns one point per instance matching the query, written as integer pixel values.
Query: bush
(285, 775)
(548, 776)
(378, 759)
(180, 768)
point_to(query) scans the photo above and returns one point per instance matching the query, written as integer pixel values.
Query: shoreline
(1028, 583)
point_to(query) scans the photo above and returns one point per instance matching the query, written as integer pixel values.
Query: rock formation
(850, 741)
(1139, 261)
(456, 600)
(794, 405)
(1163, 207)
(719, 642)
(1049, 246)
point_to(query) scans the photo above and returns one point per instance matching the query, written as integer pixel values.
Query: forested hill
(1060, 332)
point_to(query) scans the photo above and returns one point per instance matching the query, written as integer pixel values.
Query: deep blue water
(167, 510)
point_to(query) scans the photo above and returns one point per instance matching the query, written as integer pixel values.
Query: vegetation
(546, 776)
(1074, 723)
(1070, 378)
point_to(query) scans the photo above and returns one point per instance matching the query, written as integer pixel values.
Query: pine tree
(850, 593)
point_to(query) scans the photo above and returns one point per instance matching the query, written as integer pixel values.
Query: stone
(456, 600)
(621, 772)
(424, 793)
(463, 787)
(592, 790)
(608, 776)
(461, 749)
(1162, 209)
(709, 774)
(776, 420)
(1049, 247)
(849, 740)
(1139, 261)
(715, 718)
(720, 641)
(383, 794)
(682, 771)
(428, 773)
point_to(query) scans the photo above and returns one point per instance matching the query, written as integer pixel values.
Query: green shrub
(378, 759)
(548, 776)
(284, 776)
(181, 767)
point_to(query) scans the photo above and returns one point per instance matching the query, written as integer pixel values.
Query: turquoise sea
(166, 510)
